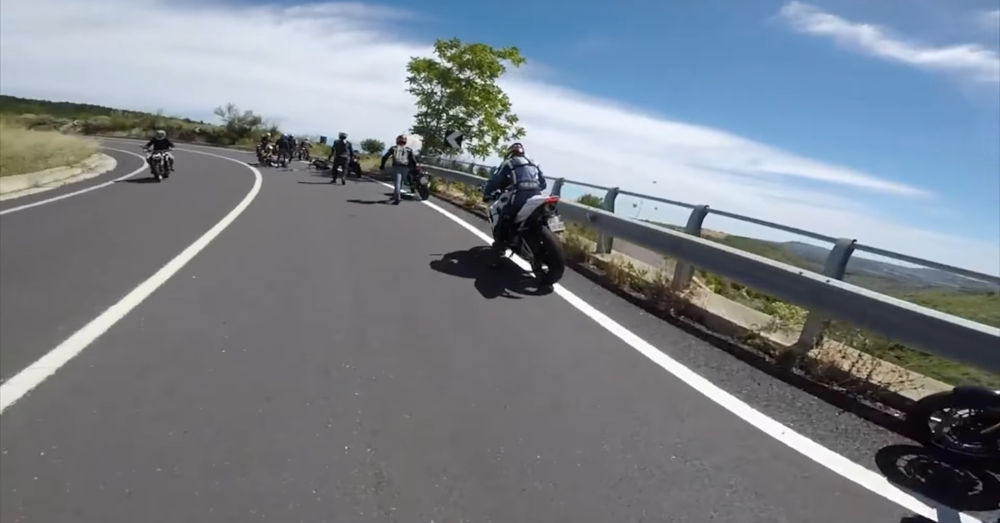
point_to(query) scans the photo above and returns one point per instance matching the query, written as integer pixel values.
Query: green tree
(458, 91)
(372, 146)
(239, 125)
(590, 200)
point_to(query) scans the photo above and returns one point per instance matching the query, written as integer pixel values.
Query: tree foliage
(458, 91)
(590, 200)
(240, 125)
(372, 146)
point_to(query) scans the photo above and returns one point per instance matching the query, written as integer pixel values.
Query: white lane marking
(858, 474)
(83, 191)
(29, 378)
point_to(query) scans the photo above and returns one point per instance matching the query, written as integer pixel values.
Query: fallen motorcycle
(533, 234)
(964, 422)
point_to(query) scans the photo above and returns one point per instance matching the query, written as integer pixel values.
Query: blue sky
(731, 64)
(873, 119)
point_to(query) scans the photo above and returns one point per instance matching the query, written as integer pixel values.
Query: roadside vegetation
(24, 151)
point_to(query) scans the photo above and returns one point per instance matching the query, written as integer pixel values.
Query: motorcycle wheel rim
(956, 430)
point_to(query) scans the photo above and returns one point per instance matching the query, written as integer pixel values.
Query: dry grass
(23, 151)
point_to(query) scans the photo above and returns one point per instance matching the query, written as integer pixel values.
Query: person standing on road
(341, 152)
(292, 144)
(402, 161)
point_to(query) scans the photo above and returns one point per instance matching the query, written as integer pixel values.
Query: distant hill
(888, 278)
(14, 105)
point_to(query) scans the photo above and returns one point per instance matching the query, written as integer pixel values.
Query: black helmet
(515, 149)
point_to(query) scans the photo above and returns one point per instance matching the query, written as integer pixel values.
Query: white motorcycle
(533, 235)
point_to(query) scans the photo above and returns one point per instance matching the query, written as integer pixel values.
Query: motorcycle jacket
(342, 149)
(159, 145)
(283, 144)
(519, 172)
(400, 155)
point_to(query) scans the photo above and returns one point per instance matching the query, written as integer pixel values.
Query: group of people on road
(286, 147)
(517, 172)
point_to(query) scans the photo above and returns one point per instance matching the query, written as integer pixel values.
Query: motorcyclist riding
(341, 152)
(402, 161)
(304, 147)
(527, 180)
(160, 143)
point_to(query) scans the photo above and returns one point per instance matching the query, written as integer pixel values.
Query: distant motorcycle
(354, 167)
(158, 165)
(964, 422)
(533, 234)
(303, 153)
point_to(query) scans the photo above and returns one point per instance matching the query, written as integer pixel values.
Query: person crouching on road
(160, 143)
(341, 153)
(402, 161)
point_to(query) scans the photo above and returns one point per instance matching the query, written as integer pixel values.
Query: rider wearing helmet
(292, 144)
(265, 141)
(526, 178)
(402, 161)
(341, 152)
(283, 147)
(160, 143)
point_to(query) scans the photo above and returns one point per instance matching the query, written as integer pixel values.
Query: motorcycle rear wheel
(937, 420)
(549, 263)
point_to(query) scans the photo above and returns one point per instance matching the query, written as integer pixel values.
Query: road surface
(331, 358)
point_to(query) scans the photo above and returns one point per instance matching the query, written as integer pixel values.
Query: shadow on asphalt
(148, 179)
(367, 202)
(941, 478)
(506, 280)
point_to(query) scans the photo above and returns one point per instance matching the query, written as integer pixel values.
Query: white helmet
(161, 134)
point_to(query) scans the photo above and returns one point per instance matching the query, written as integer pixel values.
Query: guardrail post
(835, 267)
(683, 271)
(604, 241)
(557, 186)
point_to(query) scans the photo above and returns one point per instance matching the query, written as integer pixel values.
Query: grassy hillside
(235, 127)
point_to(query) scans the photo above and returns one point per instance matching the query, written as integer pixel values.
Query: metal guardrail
(823, 295)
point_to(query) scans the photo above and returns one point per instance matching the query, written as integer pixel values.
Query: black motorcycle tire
(918, 420)
(548, 251)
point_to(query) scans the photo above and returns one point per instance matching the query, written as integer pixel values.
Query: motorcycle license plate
(423, 180)
(556, 225)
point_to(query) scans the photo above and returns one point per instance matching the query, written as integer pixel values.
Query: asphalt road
(331, 358)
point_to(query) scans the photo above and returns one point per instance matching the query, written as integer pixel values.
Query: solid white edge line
(846, 468)
(27, 379)
(83, 191)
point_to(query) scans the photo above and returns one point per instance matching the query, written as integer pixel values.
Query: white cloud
(328, 67)
(971, 61)
(990, 19)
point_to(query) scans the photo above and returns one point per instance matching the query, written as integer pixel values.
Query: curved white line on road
(868, 479)
(88, 189)
(23, 382)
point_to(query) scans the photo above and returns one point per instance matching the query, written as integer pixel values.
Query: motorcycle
(964, 422)
(303, 154)
(419, 181)
(533, 234)
(354, 168)
(158, 165)
(265, 155)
